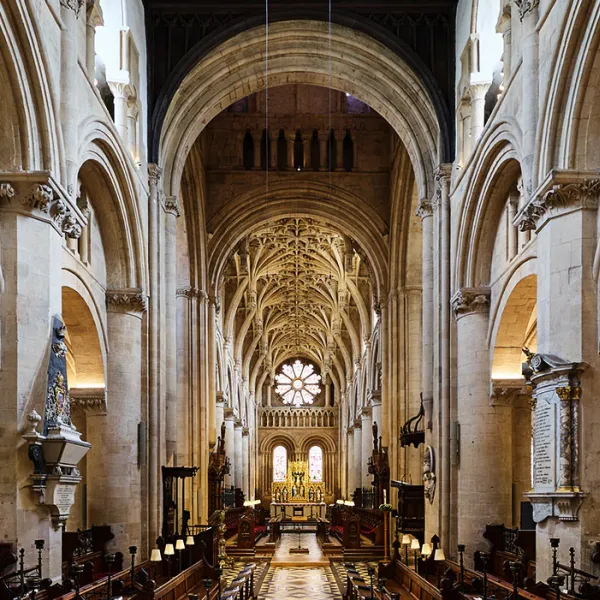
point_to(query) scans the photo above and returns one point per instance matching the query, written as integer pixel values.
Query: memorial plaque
(64, 497)
(544, 443)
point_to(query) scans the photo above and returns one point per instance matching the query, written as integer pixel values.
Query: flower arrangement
(385, 507)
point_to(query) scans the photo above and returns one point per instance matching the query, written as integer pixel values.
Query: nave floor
(300, 582)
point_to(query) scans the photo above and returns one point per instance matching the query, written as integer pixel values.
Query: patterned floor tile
(292, 583)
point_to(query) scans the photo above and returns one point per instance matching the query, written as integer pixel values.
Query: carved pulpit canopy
(556, 390)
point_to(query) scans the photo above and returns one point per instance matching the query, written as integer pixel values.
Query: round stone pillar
(230, 446)
(357, 456)
(484, 493)
(238, 456)
(114, 490)
(367, 444)
(350, 486)
(246, 462)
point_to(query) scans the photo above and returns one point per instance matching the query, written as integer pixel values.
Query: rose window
(298, 384)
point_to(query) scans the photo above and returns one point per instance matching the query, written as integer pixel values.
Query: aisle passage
(293, 582)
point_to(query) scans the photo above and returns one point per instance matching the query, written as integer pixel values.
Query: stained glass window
(279, 463)
(298, 384)
(315, 464)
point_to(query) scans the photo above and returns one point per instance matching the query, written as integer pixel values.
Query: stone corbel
(221, 397)
(89, 401)
(374, 397)
(40, 196)
(171, 206)
(425, 209)
(562, 192)
(133, 301)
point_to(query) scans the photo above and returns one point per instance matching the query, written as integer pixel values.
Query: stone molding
(526, 6)
(557, 196)
(191, 292)
(38, 195)
(74, 5)
(90, 401)
(470, 300)
(374, 397)
(245, 431)
(128, 300)
(221, 397)
(504, 392)
(94, 15)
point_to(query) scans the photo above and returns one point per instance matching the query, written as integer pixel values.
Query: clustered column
(367, 443)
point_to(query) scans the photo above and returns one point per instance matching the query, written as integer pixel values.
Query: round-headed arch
(302, 51)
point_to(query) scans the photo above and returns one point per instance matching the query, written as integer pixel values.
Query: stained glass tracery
(298, 384)
(279, 463)
(315, 464)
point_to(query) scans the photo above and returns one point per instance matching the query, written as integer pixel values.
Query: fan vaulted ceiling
(298, 287)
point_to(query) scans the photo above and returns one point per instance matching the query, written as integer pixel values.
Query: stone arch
(515, 323)
(333, 205)
(109, 181)
(27, 123)
(497, 169)
(299, 53)
(570, 130)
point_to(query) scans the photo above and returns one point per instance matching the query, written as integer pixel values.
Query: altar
(297, 496)
(298, 510)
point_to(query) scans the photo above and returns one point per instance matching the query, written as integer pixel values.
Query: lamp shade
(189, 541)
(339, 502)
(439, 555)
(169, 550)
(414, 545)
(426, 550)
(179, 545)
(155, 555)
(406, 539)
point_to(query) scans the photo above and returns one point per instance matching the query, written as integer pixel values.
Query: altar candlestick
(384, 495)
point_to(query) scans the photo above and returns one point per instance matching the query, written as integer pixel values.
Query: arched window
(315, 464)
(279, 463)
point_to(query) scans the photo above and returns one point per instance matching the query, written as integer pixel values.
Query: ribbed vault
(297, 287)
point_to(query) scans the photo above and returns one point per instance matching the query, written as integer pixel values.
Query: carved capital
(94, 15)
(526, 6)
(90, 401)
(560, 198)
(191, 292)
(171, 206)
(127, 301)
(74, 5)
(470, 300)
(425, 209)
(39, 195)
(154, 174)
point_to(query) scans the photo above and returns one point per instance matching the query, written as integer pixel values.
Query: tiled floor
(302, 582)
(282, 556)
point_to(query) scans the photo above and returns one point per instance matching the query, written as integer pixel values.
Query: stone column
(155, 439)
(504, 27)
(238, 456)
(513, 241)
(221, 401)
(478, 93)
(171, 213)
(323, 150)
(257, 158)
(69, 109)
(123, 95)
(358, 476)
(246, 462)
(366, 418)
(528, 11)
(350, 487)
(291, 138)
(94, 19)
(485, 468)
(425, 211)
(375, 399)
(114, 485)
(230, 446)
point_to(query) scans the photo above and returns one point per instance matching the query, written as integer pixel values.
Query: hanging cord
(267, 138)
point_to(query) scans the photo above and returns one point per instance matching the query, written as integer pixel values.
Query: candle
(384, 496)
